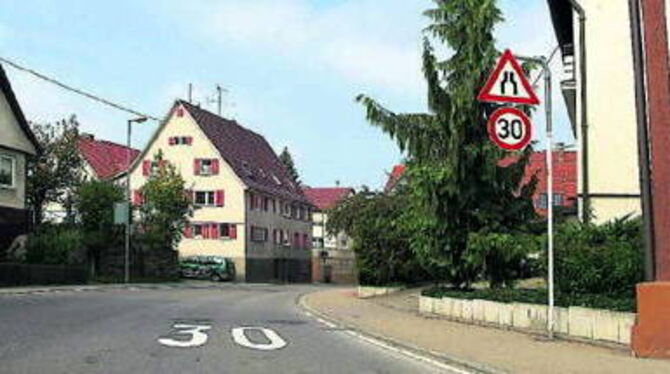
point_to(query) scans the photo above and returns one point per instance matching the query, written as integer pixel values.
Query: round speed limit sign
(510, 129)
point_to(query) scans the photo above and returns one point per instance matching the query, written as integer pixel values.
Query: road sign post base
(651, 337)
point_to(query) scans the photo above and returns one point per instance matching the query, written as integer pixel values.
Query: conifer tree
(456, 183)
(286, 159)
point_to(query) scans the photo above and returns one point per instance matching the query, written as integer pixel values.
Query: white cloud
(361, 41)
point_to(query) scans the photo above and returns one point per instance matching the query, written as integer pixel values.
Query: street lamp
(129, 198)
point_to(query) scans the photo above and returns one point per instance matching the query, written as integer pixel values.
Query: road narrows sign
(508, 84)
(510, 129)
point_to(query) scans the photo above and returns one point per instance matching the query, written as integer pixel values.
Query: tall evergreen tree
(286, 159)
(456, 183)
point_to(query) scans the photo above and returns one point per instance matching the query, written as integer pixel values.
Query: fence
(24, 274)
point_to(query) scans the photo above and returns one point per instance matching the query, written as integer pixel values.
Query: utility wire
(76, 90)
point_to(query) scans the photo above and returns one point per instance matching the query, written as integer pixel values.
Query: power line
(76, 90)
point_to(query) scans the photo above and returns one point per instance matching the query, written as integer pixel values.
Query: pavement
(190, 327)
(395, 319)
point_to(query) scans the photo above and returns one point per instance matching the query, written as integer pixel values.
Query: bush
(606, 259)
(504, 257)
(620, 303)
(55, 245)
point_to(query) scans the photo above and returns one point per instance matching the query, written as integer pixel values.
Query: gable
(15, 132)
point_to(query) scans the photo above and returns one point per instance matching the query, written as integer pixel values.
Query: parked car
(216, 268)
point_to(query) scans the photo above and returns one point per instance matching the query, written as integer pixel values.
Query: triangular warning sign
(508, 84)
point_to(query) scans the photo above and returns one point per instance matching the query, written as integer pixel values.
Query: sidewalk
(396, 318)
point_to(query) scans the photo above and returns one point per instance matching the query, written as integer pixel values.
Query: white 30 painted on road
(197, 333)
(240, 337)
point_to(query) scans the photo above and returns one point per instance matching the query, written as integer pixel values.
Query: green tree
(455, 181)
(373, 221)
(165, 207)
(95, 205)
(57, 171)
(286, 159)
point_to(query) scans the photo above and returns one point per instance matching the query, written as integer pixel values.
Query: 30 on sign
(510, 129)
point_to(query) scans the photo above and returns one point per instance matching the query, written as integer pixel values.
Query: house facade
(598, 86)
(245, 206)
(333, 258)
(17, 143)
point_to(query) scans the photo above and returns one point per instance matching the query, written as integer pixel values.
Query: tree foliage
(55, 173)
(286, 159)
(455, 181)
(373, 221)
(163, 213)
(95, 206)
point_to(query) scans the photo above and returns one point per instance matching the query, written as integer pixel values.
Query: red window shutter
(196, 167)
(146, 167)
(172, 140)
(137, 197)
(215, 167)
(214, 230)
(188, 231)
(232, 231)
(220, 197)
(189, 140)
(205, 231)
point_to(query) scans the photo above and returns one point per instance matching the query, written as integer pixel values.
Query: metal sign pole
(550, 195)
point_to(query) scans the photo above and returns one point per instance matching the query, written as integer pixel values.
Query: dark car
(216, 268)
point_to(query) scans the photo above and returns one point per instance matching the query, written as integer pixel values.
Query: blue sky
(292, 68)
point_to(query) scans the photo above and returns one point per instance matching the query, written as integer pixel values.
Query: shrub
(504, 257)
(605, 259)
(55, 245)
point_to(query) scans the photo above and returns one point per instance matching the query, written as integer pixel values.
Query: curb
(439, 359)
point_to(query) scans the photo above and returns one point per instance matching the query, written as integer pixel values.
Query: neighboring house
(333, 259)
(394, 178)
(246, 207)
(17, 143)
(103, 160)
(605, 122)
(565, 179)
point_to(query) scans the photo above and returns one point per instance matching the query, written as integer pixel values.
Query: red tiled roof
(326, 198)
(394, 177)
(565, 176)
(106, 158)
(247, 152)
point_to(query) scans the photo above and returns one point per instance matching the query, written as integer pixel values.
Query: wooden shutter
(189, 140)
(172, 140)
(214, 230)
(146, 167)
(220, 198)
(205, 231)
(188, 231)
(196, 167)
(232, 231)
(215, 167)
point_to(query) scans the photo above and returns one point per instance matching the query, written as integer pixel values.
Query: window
(7, 165)
(317, 242)
(259, 234)
(266, 204)
(224, 230)
(197, 230)
(205, 167)
(205, 198)
(541, 202)
(180, 140)
(558, 199)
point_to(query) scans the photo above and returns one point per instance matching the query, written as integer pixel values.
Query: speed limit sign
(510, 129)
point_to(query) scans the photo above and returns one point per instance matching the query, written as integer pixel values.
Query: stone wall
(577, 322)
(159, 264)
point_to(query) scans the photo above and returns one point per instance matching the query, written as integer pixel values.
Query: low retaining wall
(365, 292)
(578, 322)
(25, 274)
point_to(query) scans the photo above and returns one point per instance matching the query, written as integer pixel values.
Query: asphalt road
(133, 331)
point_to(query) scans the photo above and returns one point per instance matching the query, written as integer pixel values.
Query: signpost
(511, 129)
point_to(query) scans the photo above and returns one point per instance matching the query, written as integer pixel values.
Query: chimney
(87, 136)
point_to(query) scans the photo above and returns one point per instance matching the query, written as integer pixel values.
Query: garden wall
(24, 274)
(577, 322)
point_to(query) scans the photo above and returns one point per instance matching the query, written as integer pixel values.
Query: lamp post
(129, 198)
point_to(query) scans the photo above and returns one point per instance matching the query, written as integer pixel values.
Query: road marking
(197, 333)
(240, 337)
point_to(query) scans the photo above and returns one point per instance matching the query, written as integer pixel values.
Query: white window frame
(206, 170)
(12, 160)
(208, 195)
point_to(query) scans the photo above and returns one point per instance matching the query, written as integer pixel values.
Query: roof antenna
(337, 183)
(190, 93)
